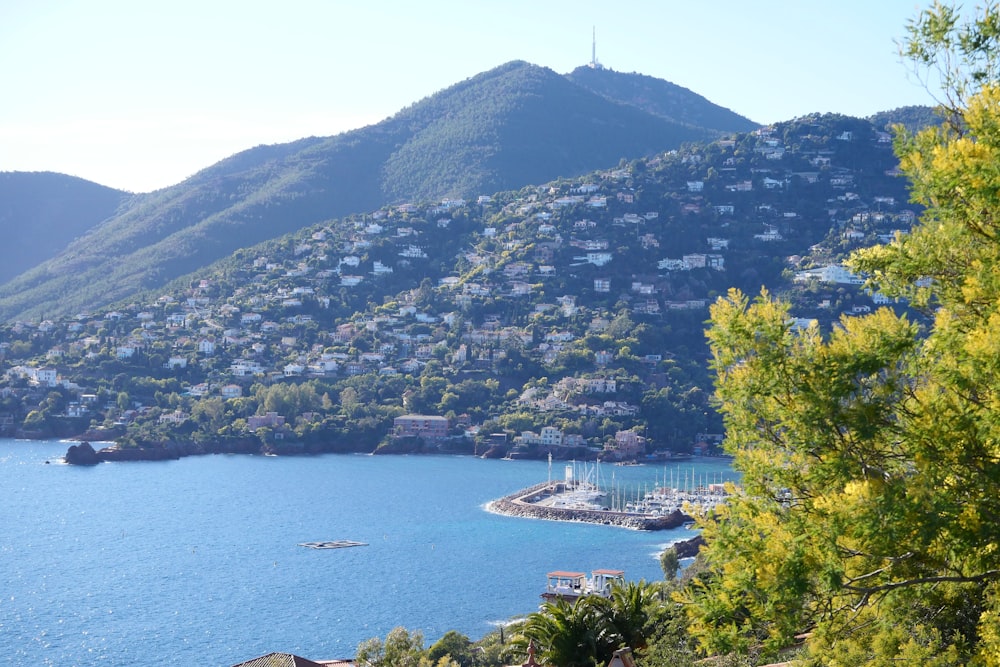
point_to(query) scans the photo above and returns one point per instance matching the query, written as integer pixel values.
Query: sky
(141, 94)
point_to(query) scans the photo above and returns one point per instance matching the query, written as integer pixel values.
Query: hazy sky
(140, 94)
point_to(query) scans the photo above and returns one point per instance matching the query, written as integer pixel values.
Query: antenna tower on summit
(593, 53)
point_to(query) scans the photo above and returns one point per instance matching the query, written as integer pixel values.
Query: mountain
(42, 212)
(660, 98)
(514, 125)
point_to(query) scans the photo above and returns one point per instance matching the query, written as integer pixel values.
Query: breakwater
(529, 503)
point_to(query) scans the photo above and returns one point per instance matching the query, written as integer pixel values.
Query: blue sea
(197, 561)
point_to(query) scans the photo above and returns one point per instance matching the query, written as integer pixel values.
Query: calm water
(196, 561)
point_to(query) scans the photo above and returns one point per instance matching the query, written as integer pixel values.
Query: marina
(580, 496)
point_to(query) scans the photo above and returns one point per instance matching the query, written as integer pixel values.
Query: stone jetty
(529, 503)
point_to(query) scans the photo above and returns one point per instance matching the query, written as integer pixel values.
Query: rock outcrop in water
(82, 455)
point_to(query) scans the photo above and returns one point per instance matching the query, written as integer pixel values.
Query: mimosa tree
(869, 515)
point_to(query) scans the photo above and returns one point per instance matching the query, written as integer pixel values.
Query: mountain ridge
(508, 127)
(40, 212)
(659, 97)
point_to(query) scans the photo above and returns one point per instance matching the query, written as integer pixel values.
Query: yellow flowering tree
(869, 516)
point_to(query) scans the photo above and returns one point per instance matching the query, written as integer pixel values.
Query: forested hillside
(511, 126)
(660, 98)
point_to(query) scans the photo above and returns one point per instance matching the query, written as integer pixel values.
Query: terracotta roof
(284, 660)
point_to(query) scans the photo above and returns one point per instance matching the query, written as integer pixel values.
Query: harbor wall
(525, 504)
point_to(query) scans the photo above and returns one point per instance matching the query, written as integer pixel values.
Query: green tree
(454, 645)
(401, 648)
(568, 634)
(670, 563)
(870, 456)
(628, 613)
(210, 413)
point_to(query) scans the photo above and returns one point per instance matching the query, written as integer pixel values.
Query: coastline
(523, 504)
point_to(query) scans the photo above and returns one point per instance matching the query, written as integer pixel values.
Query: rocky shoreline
(524, 504)
(84, 453)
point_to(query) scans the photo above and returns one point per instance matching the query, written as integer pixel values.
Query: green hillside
(578, 304)
(660, 98)
(505, 128)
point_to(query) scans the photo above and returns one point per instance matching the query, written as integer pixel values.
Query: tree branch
(868, 591)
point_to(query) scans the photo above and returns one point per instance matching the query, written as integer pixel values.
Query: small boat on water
(335, 544)
(570, 586)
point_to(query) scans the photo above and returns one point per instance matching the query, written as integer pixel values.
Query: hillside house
(520, 288)
(596, 258)
(178, 416)
(627, 446)
(603, 357)
(39, 377)
(175, 363)
(231, 391)
(832, 273)
(428, 427)
(550, 436)
(269, 420)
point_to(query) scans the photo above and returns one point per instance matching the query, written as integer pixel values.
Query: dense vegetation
(912, 118)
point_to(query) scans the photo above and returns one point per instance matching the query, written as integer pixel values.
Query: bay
(197, 561)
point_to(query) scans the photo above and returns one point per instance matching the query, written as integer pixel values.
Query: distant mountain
(660, 98)
(515, 125)
(41, 212)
